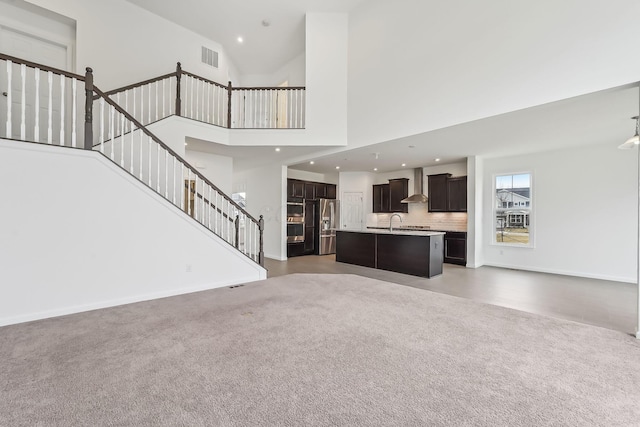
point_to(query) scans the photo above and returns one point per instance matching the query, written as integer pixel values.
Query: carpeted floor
(310, 349)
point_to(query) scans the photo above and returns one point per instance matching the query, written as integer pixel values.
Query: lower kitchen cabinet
(419, 255)
(295, 249)
(455, 247)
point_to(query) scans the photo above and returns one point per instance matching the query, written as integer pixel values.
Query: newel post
(237, 224)
(178, 100)
(229, 89)
(88, 109)
(261, 253)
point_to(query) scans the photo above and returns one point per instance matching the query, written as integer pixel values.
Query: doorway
(352, 210)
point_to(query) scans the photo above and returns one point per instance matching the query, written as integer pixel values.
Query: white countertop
(399, 232)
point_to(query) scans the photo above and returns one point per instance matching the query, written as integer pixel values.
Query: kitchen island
(419, 253)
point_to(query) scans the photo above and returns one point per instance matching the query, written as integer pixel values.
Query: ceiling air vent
(209, 57)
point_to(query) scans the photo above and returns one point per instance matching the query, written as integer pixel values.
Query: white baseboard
(63, 311)
(564, 272)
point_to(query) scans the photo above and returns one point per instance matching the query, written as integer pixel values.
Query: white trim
(116, 302)
(530, 210)
(44, 35)
(563, 272)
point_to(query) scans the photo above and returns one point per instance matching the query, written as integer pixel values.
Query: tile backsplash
(419, 215)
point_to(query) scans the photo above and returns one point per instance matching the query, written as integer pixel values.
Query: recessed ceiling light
(375, 169)
(404, 164)
(337, 167)
(437, 160)
(265, 23)
(311, 162)
(277, 148)
(412, 146)
(240, 40)
(186, 144)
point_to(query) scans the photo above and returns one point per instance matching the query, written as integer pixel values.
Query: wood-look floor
(602, 303)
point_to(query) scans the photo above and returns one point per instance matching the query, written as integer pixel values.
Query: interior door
(35, 49)
(352, 210)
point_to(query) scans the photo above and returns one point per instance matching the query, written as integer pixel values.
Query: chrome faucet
(391, 220)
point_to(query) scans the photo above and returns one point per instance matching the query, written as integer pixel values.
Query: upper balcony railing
(52, 106)
(188, 95)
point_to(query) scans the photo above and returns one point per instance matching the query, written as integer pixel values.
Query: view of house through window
(513, 209)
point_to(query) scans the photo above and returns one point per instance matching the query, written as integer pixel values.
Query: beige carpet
(316, 350)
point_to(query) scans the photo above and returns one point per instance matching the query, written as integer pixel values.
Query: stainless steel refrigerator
(328, 218)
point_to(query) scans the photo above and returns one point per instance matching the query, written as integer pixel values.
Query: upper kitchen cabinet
(321, 190)
(309, 190)
(381, 198)
(387, 197)
(438, 192)
(295, 189)
(332, 191)
(447, 194)
(457, 194)
(398, 190)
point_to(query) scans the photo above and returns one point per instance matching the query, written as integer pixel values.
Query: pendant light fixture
(635, 139)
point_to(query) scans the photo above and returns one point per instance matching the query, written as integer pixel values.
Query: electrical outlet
(188, 268)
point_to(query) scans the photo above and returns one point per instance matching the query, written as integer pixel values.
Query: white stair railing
(45, 105)
(197, 98)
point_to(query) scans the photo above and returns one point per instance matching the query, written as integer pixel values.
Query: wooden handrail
(167, 148)
(195, 76)
(142, 83)
(271, 88)
(206, 201)
(41, 67)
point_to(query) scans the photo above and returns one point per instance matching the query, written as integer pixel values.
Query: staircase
(58, 108)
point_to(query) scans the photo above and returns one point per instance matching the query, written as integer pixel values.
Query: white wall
(411, 70)
(329, 178)
(584, 212)
(266, 195)
(217, 169)
(125, 44)
(475, 211)
(326, 73)
(292, 72)
(79, 233)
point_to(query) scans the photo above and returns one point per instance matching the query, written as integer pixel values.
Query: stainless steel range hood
(418, 196)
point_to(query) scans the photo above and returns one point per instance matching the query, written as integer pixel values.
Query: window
(512, 209)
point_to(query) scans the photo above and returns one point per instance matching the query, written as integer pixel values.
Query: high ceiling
(264, 48)
(595, 118)
(588, 119)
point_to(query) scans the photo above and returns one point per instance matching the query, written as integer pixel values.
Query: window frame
(529, 208)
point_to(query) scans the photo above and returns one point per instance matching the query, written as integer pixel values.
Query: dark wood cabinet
(447, 194)
(356, 248)
(295, 189)
(309, 227)
(387, 197)
(455, 247)
(309, 190)
(417, 255)
(380, 198)
(298, 190)
(457, 194)
(438, 192)
(332, 192)
(295, 249)
(398, 190)
(320, 191)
